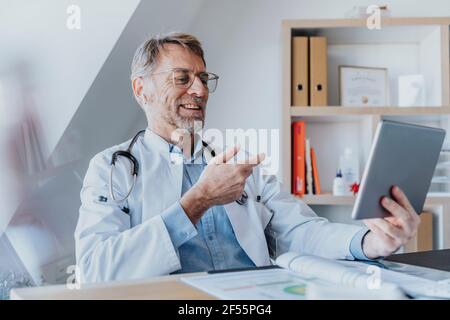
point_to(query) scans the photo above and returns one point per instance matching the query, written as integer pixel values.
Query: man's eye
(204, 78)
(182, 79)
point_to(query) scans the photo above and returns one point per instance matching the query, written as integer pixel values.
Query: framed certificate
(363, 86)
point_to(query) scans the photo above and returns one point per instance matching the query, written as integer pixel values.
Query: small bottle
(339, 186)
(350, 169)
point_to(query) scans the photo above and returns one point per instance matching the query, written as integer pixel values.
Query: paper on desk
(249, 285)
(291, 282)
(281, 284)
(414, 280)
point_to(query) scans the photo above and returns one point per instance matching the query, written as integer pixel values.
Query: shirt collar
(197, 154)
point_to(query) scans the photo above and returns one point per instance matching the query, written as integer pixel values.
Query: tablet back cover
(402, 154)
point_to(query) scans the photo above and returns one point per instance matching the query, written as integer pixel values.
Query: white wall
(243, 45)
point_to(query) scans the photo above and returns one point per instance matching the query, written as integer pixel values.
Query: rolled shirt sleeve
(178, 225)
(356, 245)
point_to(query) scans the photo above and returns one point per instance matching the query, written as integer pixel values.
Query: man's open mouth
(189, 106)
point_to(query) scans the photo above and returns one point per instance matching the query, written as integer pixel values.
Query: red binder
(298, 158)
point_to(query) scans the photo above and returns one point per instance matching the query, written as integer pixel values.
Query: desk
(435, 259)
(159, 288)
(170, 287)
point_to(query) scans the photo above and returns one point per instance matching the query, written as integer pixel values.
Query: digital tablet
(404, 155)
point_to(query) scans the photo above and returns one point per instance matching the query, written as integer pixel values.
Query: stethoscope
(135, 168)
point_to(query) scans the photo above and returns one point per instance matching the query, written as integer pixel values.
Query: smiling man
(200, 214)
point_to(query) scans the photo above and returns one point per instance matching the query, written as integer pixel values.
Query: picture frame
(361, 86)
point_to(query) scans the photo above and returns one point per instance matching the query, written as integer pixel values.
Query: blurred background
(65, 95)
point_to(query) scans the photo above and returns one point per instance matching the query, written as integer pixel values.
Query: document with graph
(249, 285)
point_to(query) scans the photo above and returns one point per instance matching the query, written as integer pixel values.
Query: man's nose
(198, 88)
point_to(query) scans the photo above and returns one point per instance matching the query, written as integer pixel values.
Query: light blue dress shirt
(211, 244)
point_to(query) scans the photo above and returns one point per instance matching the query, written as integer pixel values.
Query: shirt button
(210, 238)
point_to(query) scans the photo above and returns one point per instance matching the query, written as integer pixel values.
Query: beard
(190, 123)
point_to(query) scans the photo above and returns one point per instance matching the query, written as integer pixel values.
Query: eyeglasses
(184, 78)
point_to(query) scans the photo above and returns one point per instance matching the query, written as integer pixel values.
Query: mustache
(195, 100)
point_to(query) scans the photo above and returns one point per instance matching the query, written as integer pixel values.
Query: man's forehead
(176, 56)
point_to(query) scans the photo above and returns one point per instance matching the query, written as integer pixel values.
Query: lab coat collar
(155, 143)
(198, 149)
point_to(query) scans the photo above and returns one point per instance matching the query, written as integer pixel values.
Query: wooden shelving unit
(404, 46)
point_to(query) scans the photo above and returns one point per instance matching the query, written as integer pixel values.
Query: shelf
(328, 199)
(354, 111)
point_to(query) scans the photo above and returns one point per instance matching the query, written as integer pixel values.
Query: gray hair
(147, 53)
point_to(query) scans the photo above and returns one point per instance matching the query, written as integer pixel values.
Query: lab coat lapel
(246, 225)
(248, 231)
(162, 175)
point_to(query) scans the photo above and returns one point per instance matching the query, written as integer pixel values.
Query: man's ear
(138, 89)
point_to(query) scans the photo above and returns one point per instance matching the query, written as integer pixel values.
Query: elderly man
(200, 214)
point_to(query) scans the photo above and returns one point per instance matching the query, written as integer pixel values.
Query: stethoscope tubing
(135, 169)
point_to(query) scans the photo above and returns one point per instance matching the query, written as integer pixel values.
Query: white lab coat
(114, 245)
